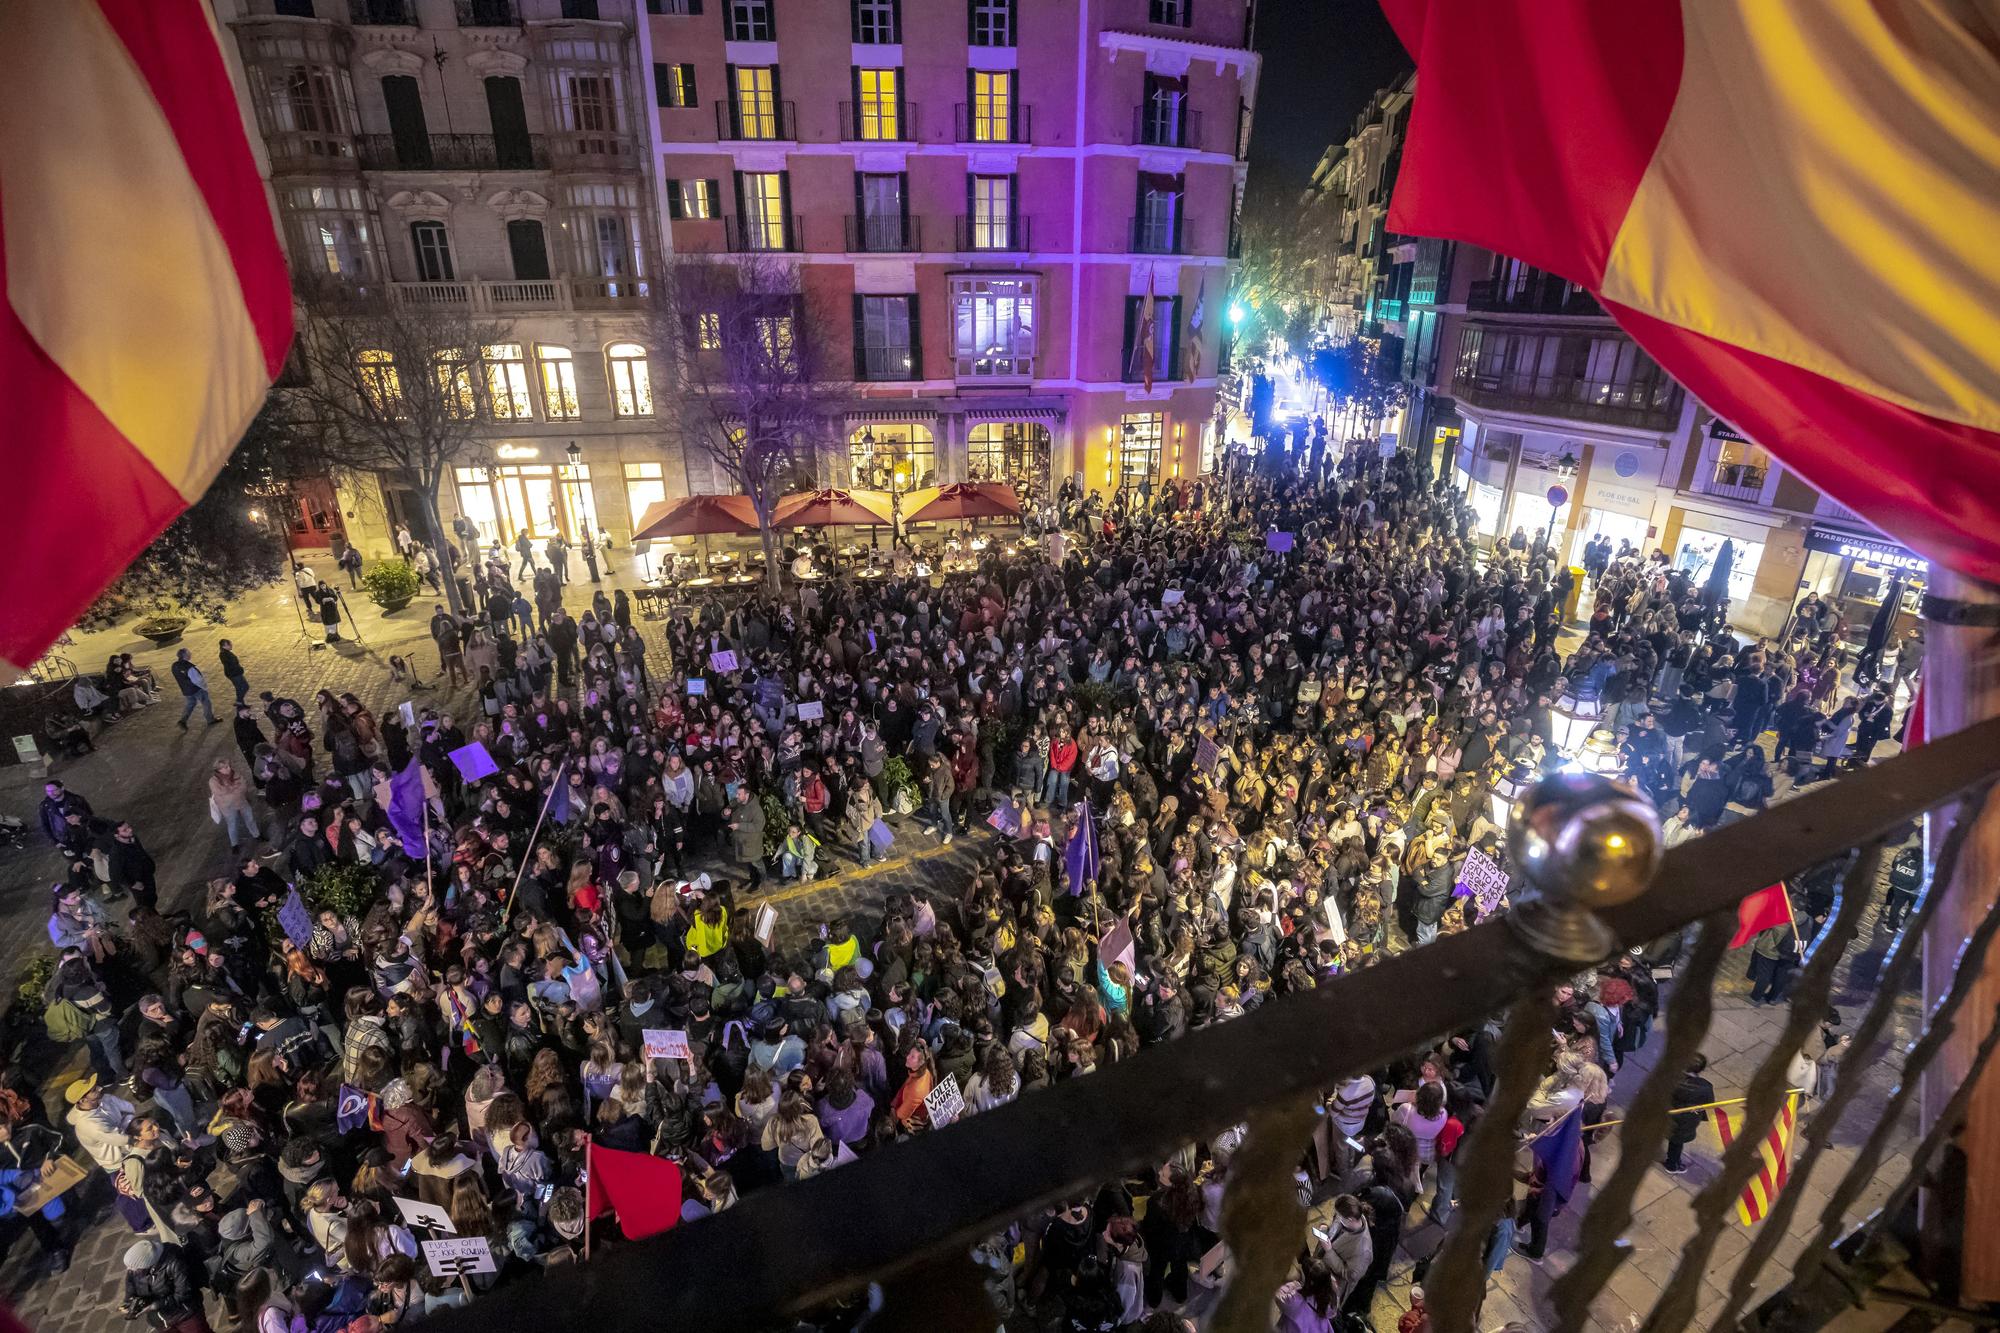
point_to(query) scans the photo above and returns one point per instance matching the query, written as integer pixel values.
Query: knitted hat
(143, 1255)
(239, 1138)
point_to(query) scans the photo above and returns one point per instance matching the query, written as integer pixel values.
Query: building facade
(487, 156)
(1021, 214)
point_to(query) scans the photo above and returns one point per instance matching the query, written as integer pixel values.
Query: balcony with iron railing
(451, 152)
(309, 151)
(772, 122)
(487, 14)
(884, 234)
(522, 295)
(1731, 481)
(1160, 126)
(1647, 406)
(866, 123)
(973, 124)
(901, 1224)
(1537, 293)
(751, 236)
(992, 236)
(1156, 234)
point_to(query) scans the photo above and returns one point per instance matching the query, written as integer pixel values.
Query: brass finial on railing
(1584, 843)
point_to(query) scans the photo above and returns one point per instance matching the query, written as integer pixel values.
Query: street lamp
(1236, 313)
(1573, 719)
(1506, 791)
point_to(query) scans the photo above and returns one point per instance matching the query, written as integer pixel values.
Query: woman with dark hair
(1307, 1305)
(1169, 1230)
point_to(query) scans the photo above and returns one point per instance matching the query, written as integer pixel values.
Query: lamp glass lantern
(1506, 791)
(1573, 719)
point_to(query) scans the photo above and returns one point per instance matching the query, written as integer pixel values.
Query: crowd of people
(1285, 749)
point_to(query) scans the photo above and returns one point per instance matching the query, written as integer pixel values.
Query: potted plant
(391, 585)
(162, 629)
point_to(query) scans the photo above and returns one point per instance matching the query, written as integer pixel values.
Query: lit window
(756, 102)
(774, 340)
(992, 212)
(692, 199)
(992, 105)
(877, 112)
(993, 327)
(875, 22)
(379, 380)
(631, 380)
(507, 382)
(455, 385)
(674, 86)
(558, 383)
(1140, 436)
(708, 331)
(750, 21)
(763, 210)
(645, 486)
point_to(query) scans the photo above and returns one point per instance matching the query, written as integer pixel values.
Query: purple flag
(1278, 542)
(353, 1109)
(1080, 856)
(295, 920)
(406, 807)
(1559, 1152)
(559, 800)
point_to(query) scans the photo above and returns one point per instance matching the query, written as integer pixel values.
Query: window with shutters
(755, 98)
(875, 23)
(992, 105)
(1163, 113)
(878, 114)
(763, 220)
(882, 211)
(673, 85)
(430, 243)
(692, 200)
(1162, 337)
(631, 380)
(993, 326)
(1177, 12)
(1156, 226)
(992, 23)
(886, 352)
(992, 212)
(558, 383)
(750, 21)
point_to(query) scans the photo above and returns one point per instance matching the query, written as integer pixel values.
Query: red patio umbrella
(961, 499)
(697, 516)
(819, 509)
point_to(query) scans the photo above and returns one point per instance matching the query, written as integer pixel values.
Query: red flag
(643, 1190)
(133, 356)
(1837, 300)
(1761, 911)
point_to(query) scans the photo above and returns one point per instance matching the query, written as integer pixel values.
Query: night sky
(1322, 60)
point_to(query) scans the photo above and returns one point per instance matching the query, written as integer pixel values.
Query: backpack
(66, 1022)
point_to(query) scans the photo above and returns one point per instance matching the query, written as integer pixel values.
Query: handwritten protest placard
(473, 762)
(420, 1216)
(723, 661)
(666, 1044)
(295, 920)
(461, 1257)
(696, 685)
(812, 710)
(945, 1104)
(1481, 879)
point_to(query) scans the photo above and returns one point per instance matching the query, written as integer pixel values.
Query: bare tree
(396, 387)
(750, 356)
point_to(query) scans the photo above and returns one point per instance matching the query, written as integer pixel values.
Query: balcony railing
(1732, 481)
(1157, 127)
(521, 294)
(1575, 397)
(1150, 234)
(749, 237)
(971, 125)
(863, 123)
(980, 236)
(383, 13)
(906, 1217)
(309, 151)
(895, 234)
(1540, 293)
(451, 152)
(777, 121)
(487, 14)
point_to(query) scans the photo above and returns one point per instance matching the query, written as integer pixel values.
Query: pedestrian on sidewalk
(194, 688)
(350, 560)
(229, 805)
(232, 669)
(132, 866)
(329, 612)
(526, 550)
(1692, 1090)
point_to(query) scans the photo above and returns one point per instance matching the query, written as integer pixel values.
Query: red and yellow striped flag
(1775, 1150)
(144, 305)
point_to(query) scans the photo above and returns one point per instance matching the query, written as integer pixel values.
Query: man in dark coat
(58, 804)
(1692, 1090)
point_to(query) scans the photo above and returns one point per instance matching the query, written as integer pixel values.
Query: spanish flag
(1791, 204)
(1775, 1150)
(144, 303)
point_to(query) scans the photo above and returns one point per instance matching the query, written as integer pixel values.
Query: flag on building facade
(1774, 1153)
(1785, 203)
(1193, 358)
(147, 308)
(644, 1191)
(1759, 912)
(1148, 352)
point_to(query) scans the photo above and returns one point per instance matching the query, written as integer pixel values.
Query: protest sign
(409, 712)
(766, 928)
(1206, 755)
(666, 1044)
(724, 661)
(812, 710)
(945, 1103)
(1171, 597)
(1481, 879)
(696, 685)
(420, 1216)
(459, 1257)
(1278, 542)
(473, 762)
(295, 920)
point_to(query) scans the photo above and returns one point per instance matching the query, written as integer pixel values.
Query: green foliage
(390, 583)
(1099, 699)
(162, 625)
(899, 778)
(776, 820)
(349, 890)
(33, 979)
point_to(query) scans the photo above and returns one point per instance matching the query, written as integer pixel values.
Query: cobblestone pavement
(147, 769)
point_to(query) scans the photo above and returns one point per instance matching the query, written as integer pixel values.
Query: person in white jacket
(103, 1123)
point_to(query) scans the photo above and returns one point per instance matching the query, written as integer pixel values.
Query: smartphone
(406, 1167)
(583, 1176)
(1355, 1144)
(543, 1192)
(243, 1033)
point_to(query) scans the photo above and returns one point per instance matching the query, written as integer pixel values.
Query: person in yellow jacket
(708, 933)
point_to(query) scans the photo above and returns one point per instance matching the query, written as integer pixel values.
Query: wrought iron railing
(451, 152)
(902, 1222)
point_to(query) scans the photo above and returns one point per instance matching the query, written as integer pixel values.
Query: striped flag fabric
(147, 308)
(1790, 204)
(1775, 1153)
